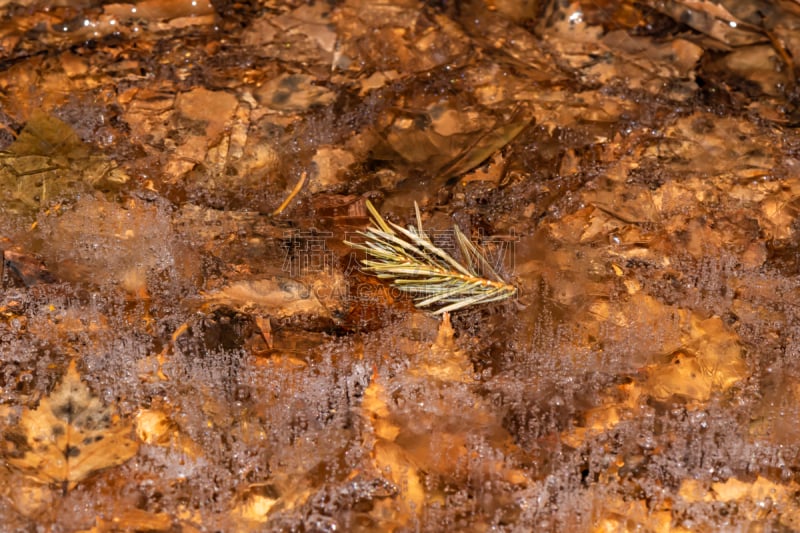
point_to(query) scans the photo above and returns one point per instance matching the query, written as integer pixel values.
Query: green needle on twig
(409, 258)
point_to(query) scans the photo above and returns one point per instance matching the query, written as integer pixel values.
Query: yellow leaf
(754, 500)
(133, 520)
(157, 429)
(69, 436)
(376, 409)
(617, 514)
(444, 361)
(393, 461)
(256, 508)
(44, 135)
(684, 376)
(153, 427)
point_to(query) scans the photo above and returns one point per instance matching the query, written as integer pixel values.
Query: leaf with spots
(70, 435)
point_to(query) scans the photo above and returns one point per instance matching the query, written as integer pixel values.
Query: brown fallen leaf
(616, 514)
(444, 361)
(404, 450)
(275, 297)
(757, 501)
(27, 268)
(155, 428)
(70, 435)
(712, 19)
(133, 520)
(48, 161)
(388, 457)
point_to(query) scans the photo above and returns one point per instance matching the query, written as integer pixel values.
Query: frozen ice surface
(632, 166)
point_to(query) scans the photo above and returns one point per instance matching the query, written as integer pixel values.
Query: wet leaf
(133, 520)
(276, 297)
(156, 428)
(456, 140)
(255, 508)
(615, 514)
(389, 458)
(294, 92)
(127, 242)
(758, 500)
(69, 436)
(28, 269)
(445, 361)
(48, 136)
(713, 19)
(49, 161)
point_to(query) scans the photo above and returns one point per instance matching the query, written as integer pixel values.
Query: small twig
(292, 194)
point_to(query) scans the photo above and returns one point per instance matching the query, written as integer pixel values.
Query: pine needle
(292, 194)
(414, 264)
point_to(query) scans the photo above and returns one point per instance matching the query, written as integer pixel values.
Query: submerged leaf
(70, 435)
(49, 161)
(48, 136)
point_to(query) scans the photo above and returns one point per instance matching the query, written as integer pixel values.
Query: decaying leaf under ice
(49, 162)
(281, 297)
(70, 435)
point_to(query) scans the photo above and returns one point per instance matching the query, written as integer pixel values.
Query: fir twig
(414, 264)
